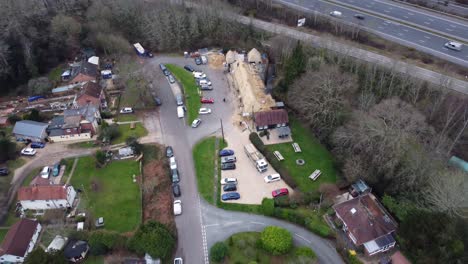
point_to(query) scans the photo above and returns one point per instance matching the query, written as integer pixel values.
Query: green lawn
(126, 117)
(125, 132)
(3, 233)
(31, 176)
(14, 164)
(84, 144)
(315, 155)
(109, 192)
(192, 96)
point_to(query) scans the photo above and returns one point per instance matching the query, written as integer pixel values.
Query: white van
(272, 178)
(335, 13)
(45, 172)
(454, 45)
(180, 111)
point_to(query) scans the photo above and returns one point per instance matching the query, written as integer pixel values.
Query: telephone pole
(222, 130)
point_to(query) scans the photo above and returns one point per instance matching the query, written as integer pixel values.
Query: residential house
(57, 244)
(271, 119)
(44, 197)
(254, 56)
(91, 93)
(75, 124)
(30, 130)
(76, 250)
(19, 241)
(84, 72)
(367, 223)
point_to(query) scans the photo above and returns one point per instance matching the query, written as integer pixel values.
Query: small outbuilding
(76, 250)
(57, 244)
(30, 130)
(271, 119)
(254, 56)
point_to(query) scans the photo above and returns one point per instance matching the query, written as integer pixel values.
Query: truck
(256, 157)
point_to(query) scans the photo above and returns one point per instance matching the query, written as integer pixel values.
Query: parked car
(204, 81)
(228, 166)
(205, 87)
(199, 75)
(179, 100)
(4, 171)
(228, 159)
(198, 61)
(177, 207)
(230, 187)
(45, 172)
(207, 100)
(176, 190)
(164, 69)
(169, 151)
(359, 16)
(280, 192)
(171, 79)
(272, 178)
(228, 181)
(37, 145)
(56, 170)
(175, 176)
(126, 110)
(204, 111)
(28, 152)
(196, 123)
(230, 196)
(226, 152)
(189, 68)
(157, 100)
(178, 261)
(172, 163)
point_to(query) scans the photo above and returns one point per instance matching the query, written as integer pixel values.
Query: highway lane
(391, 30)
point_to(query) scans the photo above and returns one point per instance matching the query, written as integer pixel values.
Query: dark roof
(30, 128)
(17, 239)
(365, 218)
(271, 117)
(85, 68)
(87, 112)
(75, 248)
(56, 123)
(92, 89)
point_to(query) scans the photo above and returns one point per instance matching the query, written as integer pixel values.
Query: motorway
(403, 24)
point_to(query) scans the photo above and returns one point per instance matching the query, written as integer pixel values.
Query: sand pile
(216, 60)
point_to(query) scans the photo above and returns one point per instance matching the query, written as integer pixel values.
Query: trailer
(256, 157)
(139, 49)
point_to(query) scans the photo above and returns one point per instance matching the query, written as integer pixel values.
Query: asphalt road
(391, 28)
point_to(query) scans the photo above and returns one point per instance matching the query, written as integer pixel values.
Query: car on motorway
(228, 159)
(172, 163)
(280, 192)
(228, 166)
(4, 171)
(454, 45)
(176, 190)
(359, 16)
(230, 196)
(189, 68)
(175, 176)
(196, 123)
(204, 111)
(230, 188)
(169, 151)
(126, 110)
(272, 178)
(56, 170)
(228, 181)
(37, 145)
(205, 100)
(45, 172)
(177, 207)
(226, 152)
(171, 78)
(336, 13)
(178, 261)
(28, 152)
(198, 60)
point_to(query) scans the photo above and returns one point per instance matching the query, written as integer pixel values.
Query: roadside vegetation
(191, 93)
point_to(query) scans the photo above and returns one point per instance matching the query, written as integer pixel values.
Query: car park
(45, 172)
(280, 192)
(37, 145)
(228, 166)
(196, 123)
(171, 79)
(175, 176)
(207, 100)
(126, 110)
(204, 111)
(230, 196)
(178, 261)
(230, 187)
(176, 190)
(272, 178)
(189, 68)
(228, 159)
(169, 151)
(198, 61)
(228, 181)
(4, 171)
(359, 16)
(28, 152)
(177, 207)
(226, 152)
(172, 163)
(56, 170)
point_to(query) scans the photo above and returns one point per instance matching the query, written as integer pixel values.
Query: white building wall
(71, 195)
(66, 138)
(44, 204)
(33, 241)
(18, 259)
(10, 259)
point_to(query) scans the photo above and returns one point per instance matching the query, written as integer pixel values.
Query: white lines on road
(430, 19)
(386, 11)
(379, 27)
(422, 41)
(405, 30)
(427, 23)
(406, 17)
(205, 244)
(303, 238)
(411, 14)
(449, 29)
(453, 26)
(400, 34)
(211, 225)
(258, 223)
(427, 37)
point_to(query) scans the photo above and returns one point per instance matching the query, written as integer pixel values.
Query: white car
(196, 122)
(126, 110)
(199, 75)
(45, 172)
(171, 79)
(272, 178)
(204, 111)
(228, 181)
(28, 152)
(177, 207)
(178, 261)
(172, 163)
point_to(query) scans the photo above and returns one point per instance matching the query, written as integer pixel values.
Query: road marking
(427, 23)
(427, 37)
(258, 223)
(405, 30)
(422, 41)
(305, 239)
(379, 27)
(205, 244)
(386, 11)
(449, 29)
(453, 26)
(400, 34)
(411, 14)
(211, 225)
(405, 16)
(430, 19)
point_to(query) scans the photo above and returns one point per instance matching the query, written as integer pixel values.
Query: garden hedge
(276, 240)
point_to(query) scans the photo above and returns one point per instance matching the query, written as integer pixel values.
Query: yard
(126, 117)
(126, 131)
(192, 97)
(313, 153)
(109, 192)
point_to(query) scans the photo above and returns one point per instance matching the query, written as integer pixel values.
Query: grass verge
(126, 117)
(204, 155)
(125, 132)
(109, 192)
(84, 144)
(192, 97)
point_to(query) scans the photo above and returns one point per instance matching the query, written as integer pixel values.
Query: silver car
(228, 159)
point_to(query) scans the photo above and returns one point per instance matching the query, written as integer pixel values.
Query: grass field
(126, 117)
(192, 97)
(315, 155)
(125, 132)
(3, 233)
(94, 260)
(109, 192)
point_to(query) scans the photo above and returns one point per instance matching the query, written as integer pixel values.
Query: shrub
(282, 201)
(267, 207)
(304, 252)
(276, 240)
(12, 119)
(102, 242)
(256, 141)
(218, 251)
(152, 238)
(106, 115)
(100, 158)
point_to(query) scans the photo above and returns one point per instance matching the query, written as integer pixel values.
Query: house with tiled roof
(83, 72)
(271, 119)
(44, 197)
(19, 241)
(367, 223)
(75, 124)
(91, 93)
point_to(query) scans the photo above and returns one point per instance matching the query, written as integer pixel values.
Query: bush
(267, 207)
(282, 201)
(218, 251)
(304, 252)
(152, 238)
(106, 115)
(276, 240)
(102, 242)
(12, 119)
(256, 141)
(100, 158)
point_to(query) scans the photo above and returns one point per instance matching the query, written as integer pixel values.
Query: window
(48, 205)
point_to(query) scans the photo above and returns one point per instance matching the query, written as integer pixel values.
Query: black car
(189, 68)
(175, 176)
(157, 100)
(4, 171)
(229, 188)
(169, 152)
(359, 16)
(228, 166)
(198, 61)
(176, 190)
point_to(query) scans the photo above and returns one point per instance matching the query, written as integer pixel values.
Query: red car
(280, 192)
(207, 100)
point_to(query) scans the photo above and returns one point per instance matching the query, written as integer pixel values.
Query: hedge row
(257, 142)
(311, 222)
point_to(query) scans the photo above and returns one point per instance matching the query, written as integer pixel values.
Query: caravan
(180, 111)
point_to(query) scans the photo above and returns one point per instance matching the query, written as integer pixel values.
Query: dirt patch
(96, 185)
(216, 61)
